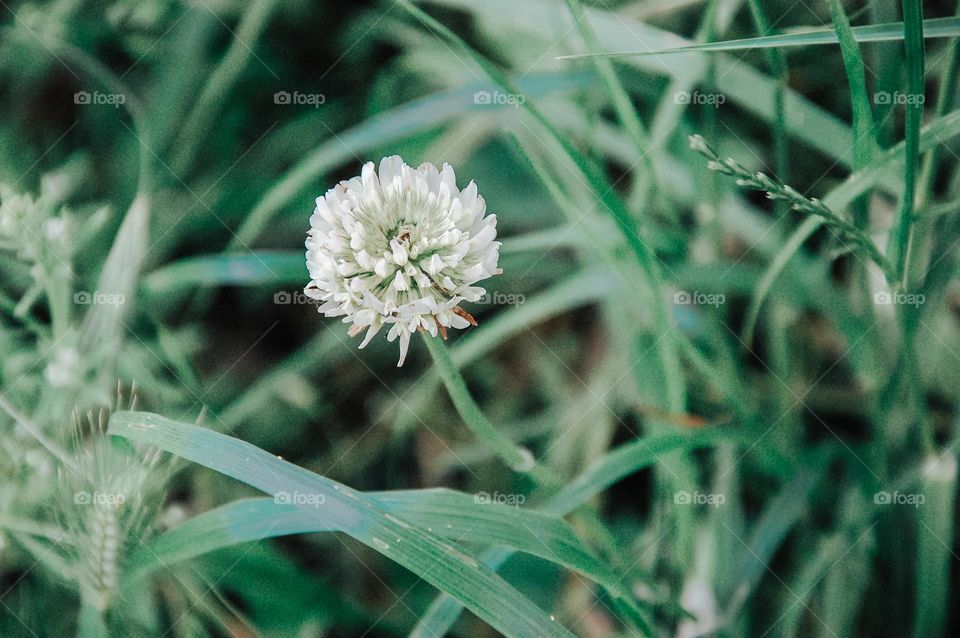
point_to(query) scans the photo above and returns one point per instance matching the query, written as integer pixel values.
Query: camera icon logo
(482, 97)
(81, 97)
(882, 498)
(681, 97)
(82, 498)
(281, 97)
(283, 298)
(682, 498)
(881, 97)
(283, 498)
(882, 297)
(683, 298)
(82, 298)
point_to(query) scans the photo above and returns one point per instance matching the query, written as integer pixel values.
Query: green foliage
(712, 393)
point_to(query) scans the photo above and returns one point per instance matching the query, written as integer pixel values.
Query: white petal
(435, 265)
(368, 176)
(404, 344)
(371, 333)
(449, 178)
(400, 253)
(393, 332)
(390, 167)
(373, 302)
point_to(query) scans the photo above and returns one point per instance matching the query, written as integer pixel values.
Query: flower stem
(517, 458)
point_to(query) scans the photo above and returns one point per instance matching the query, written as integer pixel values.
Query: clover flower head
(401, 247)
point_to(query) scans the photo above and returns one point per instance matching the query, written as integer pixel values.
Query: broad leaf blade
(438, 562)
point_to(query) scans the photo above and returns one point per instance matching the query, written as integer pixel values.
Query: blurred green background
(160, 161)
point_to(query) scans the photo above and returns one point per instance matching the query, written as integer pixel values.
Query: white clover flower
(402, 247)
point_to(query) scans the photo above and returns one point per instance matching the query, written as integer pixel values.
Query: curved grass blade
(220, 82)
(769, 533)
(103, 327)
(626, 111)
(604, 472)
(247, 269)
(777, 63)
(449, 514)
(935, 531)
(898, 249)
(863, 140)
(933, 28)
(435, 560)
(830, 550)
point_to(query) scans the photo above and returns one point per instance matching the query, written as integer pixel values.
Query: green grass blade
(770, 275)
(238, 269)
(777, 62)
(805, 582)
(863, 136)
(913, 30)
(221, 81)
(452, 515)
(933, 28)
(516, 458)
(103, 327)
(628, 459)
(935, 534)
(626, 112)
(768, 535)
(604, 472)
(425, 554)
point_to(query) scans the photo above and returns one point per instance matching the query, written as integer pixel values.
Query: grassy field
(712, 388)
